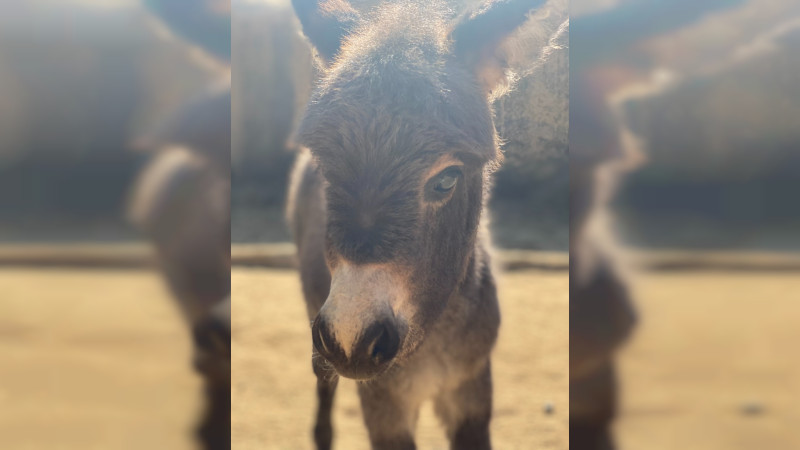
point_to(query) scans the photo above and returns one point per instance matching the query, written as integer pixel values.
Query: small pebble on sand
(752, 408)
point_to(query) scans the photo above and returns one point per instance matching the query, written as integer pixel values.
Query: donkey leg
(389, 418)
(593, 401)
(466, 412)
(327, 380)
(214, 431)
(590, 436)
(212, 359)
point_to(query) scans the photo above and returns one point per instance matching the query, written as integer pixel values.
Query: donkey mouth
(359, 373)
(365, 368)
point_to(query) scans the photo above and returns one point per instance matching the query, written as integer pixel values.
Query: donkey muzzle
(357, 329)
(365, 357)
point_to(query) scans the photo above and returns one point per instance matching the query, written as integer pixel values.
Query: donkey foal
(385, 206)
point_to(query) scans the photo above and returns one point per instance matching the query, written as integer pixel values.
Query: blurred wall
(80, 82)
(721, 142)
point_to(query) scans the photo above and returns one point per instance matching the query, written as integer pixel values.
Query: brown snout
(357, 329)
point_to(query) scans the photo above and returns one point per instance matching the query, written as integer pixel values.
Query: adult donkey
(386, 205)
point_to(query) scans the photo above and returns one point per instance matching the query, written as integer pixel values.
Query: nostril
(321, 338)
(385, 345)
(378, 345)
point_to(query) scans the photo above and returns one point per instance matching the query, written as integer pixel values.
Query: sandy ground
(97, 359)
(92, 359)
(273, 385)
(715, 363)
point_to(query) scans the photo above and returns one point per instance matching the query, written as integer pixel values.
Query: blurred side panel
(683, 165)
(97, 352)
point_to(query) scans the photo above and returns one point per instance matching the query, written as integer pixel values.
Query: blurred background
(704, 100)
(95, 353)
(81, 80)
(719, 130)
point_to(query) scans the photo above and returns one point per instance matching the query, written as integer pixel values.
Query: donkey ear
(477, 37)
(326, 23)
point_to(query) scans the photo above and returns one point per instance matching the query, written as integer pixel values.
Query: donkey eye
(446, 180)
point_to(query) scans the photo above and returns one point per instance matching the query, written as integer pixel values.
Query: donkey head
(401, 131)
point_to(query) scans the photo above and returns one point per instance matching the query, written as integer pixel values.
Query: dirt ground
(715, 363)
(273, 386)
(92, 359)
(97, 359)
